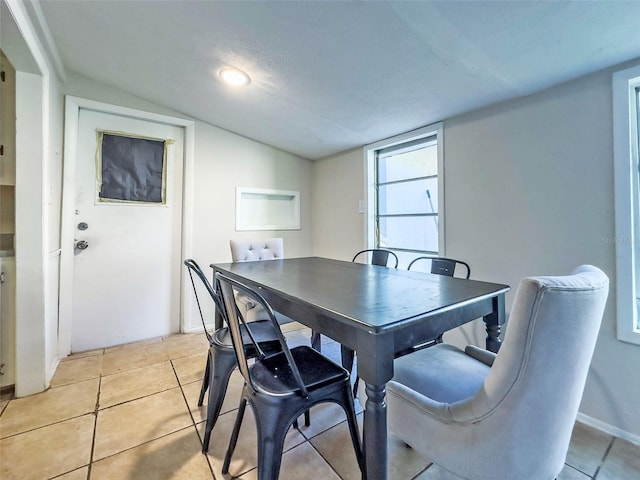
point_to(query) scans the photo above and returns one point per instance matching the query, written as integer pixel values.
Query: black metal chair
(221, 359)
(443, 265)
(280, 386)
(439, 266)
(379, 256)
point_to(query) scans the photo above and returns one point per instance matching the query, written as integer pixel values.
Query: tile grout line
(325, 460)
(184, 397)
(93, 436)
(143, 443)
(139, 398)
(581, 471)
(5, 407)
(604, 457)
(422, 471)
(193, 420)
(95, 425)
(47, 425)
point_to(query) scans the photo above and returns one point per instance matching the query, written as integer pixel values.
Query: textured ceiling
(330, 76)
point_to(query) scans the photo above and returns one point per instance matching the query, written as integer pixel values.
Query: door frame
(73, 105)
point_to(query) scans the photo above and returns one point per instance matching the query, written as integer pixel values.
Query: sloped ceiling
(329, 76)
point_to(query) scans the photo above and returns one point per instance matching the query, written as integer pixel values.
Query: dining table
(376, 312)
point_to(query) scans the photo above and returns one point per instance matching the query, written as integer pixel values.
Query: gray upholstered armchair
(511, 420)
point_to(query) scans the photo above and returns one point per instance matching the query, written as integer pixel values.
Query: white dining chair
(253, 250)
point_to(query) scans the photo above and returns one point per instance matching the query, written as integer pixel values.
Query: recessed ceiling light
(235, 77)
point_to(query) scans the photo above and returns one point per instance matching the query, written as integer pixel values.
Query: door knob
(81, 245)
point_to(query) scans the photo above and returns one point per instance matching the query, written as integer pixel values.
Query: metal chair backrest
(228, 288)
(443, 265)
(379, 256)
(194, 269)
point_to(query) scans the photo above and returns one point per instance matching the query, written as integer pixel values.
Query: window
(131, 169)
(626, 98)
(405, 194)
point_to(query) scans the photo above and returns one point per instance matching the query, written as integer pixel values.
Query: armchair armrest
(480, 354)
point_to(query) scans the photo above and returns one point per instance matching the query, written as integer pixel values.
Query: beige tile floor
(130, 412)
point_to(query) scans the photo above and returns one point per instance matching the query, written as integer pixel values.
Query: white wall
(338, 186)
(52, 199)
(223, 161)
(528, 190)
(531, 182)
(31, 328)
(38, 138)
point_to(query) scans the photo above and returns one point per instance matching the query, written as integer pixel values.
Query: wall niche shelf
(267, 209)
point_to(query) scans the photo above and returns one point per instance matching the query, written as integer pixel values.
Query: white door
(126, 282)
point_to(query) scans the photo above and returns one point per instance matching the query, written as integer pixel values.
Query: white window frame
(369, 152)
(625, 156)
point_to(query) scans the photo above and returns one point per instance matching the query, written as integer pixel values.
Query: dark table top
(378, 298)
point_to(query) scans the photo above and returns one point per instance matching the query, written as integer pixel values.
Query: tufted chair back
(253, 250)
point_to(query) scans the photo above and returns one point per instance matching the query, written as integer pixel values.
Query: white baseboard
(606, 428)
(52, 370)
(198, 329)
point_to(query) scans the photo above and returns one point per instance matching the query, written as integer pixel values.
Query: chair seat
(443, 373)
(273, 374)
(262, 330)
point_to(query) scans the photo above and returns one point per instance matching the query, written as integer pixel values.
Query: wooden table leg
(375, 432)
(494, 322)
